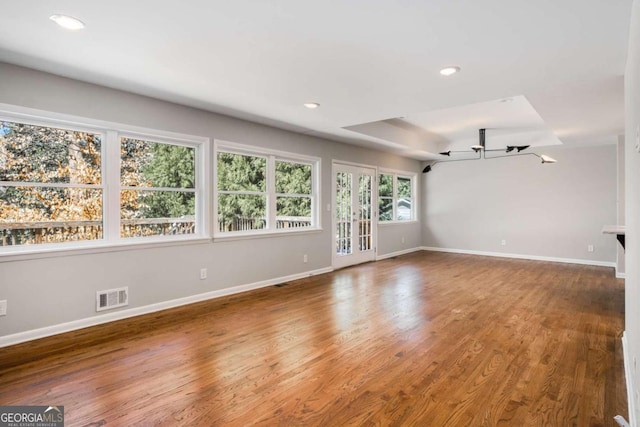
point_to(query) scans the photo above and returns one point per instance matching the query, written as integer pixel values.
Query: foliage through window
(50, 184)
(395, 197)
(261, 192)
(54, 184)
(293, 192)
(158, 195)
(242, 192)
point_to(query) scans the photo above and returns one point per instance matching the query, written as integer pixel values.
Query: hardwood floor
(426, 339)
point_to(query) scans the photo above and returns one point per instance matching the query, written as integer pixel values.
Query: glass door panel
(353, 202)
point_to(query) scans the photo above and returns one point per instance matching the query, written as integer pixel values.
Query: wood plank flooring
(426, 339)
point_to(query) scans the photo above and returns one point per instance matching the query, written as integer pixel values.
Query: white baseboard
(521, 256)
(152, 308)
(397, 253)
(631, 392)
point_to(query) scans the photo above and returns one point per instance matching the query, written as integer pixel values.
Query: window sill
(385, 223)
(86, 248)
(263, 234)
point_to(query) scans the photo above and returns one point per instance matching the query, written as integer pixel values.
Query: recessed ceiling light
(67, 22)
(311, 105)
(449, 71)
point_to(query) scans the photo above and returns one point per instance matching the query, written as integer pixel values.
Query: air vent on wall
(112, 298)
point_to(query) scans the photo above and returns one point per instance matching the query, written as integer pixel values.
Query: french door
(353, 214)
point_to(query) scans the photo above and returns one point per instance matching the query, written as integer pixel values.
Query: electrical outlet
(503, 242)
(3, 307)
(305, 258)
(590, 248)
(203, 273)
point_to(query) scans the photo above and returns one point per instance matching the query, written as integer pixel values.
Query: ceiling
(544, 71)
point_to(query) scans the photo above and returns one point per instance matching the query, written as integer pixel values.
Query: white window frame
(414, 198)
(110, 183)
(198, 189)
(272, 156)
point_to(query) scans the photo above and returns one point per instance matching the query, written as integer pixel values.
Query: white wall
(541, 210)
(51, 291)
(621, 205)
(632, 204)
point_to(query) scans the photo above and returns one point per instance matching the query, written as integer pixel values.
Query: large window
(242, 192)
(63, 186)
(396, 200)
(261, 191)
(50, 184)
(158, 192)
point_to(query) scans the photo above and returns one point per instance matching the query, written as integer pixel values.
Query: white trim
(260, 234)
(111, 196)
(388, 223)
(620, 275)
(48, 331)
(633, 421)
(522, 256)
(397, 253)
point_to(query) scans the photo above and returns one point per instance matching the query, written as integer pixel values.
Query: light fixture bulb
(547, 159)
(477, 148)
(311, 105)
(449, 71)
(67, 22)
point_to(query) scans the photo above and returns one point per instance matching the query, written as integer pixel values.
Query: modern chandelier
(480, 149)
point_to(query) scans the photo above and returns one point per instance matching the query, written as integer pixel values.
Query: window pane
(404, 187)
(34, 215)
(404, 209)
(364, 218)
(43, 154)
(156, 213)
(152, 164)
(241, 212)
(293, 212)
(344, 231)
(385, 185)
(237, 172)
(385, 206)
(293, 178)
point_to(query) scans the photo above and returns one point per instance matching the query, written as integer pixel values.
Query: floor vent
(112, 298)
